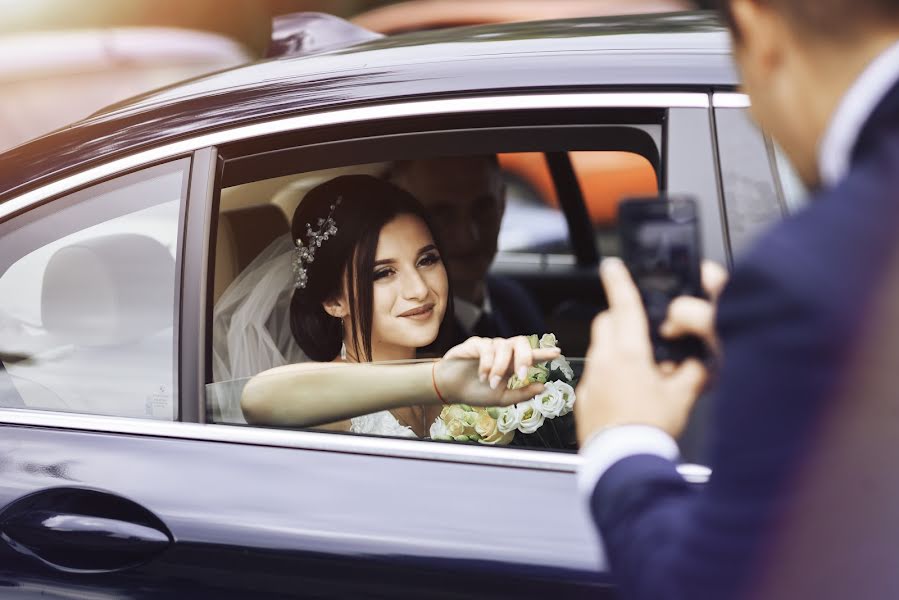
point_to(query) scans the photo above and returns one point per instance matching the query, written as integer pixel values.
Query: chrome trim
(730, 100)
(351, 115)
(309, 440)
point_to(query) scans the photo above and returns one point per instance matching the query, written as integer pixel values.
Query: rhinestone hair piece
(304, 254)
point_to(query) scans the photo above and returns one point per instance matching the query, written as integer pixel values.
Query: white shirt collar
(852, 112)
(469, 314)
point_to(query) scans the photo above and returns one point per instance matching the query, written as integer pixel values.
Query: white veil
(251, 327)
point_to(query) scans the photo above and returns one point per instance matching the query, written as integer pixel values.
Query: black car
(121, 477)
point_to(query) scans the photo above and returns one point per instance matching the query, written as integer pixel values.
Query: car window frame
(60, 199)
(726, 106)
(195, 247)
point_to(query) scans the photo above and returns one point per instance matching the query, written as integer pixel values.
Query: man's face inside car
(466, 198)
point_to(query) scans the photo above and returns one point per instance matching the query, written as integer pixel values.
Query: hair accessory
(305, 253)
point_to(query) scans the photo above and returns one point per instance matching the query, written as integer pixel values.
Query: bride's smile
(422, 313)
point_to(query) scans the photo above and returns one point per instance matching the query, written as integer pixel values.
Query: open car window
(527, 216)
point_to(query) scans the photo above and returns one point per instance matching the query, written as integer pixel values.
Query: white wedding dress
(251, 333)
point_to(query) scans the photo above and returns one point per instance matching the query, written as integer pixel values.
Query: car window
(516, 248)
(794, 192)
(87, 292)
(751, 196)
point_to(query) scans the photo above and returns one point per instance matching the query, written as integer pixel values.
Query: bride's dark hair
(366, 205)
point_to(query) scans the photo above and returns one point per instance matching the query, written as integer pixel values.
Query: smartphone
(660, 245)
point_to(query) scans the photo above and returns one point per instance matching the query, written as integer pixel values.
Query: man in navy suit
(802, 327)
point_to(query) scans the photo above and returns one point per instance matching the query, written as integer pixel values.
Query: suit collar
(857, 108)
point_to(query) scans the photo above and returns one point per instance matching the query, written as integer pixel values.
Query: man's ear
(336, 307)
(762, 36)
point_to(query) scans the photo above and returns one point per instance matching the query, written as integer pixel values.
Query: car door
(268, 175)
(103, 492)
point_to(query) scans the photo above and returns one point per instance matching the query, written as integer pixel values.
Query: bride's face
(410, 286)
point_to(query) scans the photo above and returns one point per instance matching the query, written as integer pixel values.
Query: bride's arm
(307, 395)
(474, 372)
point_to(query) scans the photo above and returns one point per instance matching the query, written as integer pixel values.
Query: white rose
(550, 401)
(498, 438)
(438, 430)
(548, 340)
(567, 393)
(531, 418)
(562, 364)
(508, 420)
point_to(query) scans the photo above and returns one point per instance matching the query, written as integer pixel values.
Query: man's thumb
(689, 379)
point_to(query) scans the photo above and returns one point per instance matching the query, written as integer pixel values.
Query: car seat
(107, 308)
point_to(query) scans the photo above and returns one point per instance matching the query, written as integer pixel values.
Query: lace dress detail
(380, 423)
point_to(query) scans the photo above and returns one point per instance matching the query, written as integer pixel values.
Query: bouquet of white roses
(497, 426)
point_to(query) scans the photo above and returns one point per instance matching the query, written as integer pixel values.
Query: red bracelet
(434, 381)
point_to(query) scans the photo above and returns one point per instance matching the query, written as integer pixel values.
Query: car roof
(675, 50)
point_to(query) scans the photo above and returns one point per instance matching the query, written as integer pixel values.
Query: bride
(370, 285)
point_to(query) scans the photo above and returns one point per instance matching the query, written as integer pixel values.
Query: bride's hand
(476, 372)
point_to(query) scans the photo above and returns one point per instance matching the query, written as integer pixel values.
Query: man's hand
(688, 315)
(621, 383)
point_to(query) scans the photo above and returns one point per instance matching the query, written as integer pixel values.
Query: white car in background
(49, 79)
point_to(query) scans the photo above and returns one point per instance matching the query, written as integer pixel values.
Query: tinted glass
(750, 192)
(794, 193)
(87, 291)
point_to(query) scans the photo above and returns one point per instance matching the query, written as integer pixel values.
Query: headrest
(108, 290)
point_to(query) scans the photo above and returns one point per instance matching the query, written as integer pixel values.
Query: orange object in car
(605, 178)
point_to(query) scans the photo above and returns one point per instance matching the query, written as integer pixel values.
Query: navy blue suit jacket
(790, 322)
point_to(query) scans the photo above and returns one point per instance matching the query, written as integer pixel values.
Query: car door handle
(74, 529)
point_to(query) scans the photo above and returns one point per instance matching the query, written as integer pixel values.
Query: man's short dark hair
(833, 19)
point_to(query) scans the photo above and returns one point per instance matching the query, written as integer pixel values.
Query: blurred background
(65, 59)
